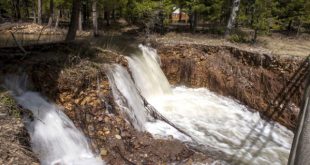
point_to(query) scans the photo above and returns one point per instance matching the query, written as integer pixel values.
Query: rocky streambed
(73, 76)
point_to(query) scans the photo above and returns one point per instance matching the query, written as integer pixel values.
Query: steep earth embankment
(271, 84)
(73, 76)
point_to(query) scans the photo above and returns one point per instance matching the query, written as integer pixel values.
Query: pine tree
(290, 13)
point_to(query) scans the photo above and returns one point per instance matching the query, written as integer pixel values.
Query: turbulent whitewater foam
(222, 124)
(129, 100)
(146, 64)
(215, 122)
(126, 96)
(54, 138)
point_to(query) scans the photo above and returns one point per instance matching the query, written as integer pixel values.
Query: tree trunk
(80, 21)
(107, 17)
(85, 15)
(120, 12)
(190, 15)
(95, 18)
(289, 26)
(180, 14)
(40, 12)
(34, 13)
(113, 15)
(51, 18)
(161, 18)
(76, 6)
(57, 18)
(68, 14)
(26, 7)
(232, 18)
(299, 29)
(195, 21)
(61, 12)
(255, 35)
(252, 18)
(16, 7)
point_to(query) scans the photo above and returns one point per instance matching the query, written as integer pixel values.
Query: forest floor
(277, 44)
(274, 43)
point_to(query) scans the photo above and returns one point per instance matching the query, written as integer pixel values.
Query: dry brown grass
(274, 44)
(284, 45)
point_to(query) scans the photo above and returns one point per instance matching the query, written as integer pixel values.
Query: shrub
(239, 37)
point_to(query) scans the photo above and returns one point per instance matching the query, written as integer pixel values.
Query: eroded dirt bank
(73, 76)
(273, 85)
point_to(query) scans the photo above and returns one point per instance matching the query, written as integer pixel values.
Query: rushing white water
(129, 99)
(154, 82)
(54, 138)
(215, 122)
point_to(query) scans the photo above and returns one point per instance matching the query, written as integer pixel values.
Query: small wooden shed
(177, 14)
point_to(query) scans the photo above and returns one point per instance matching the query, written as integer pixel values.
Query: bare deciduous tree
(95, 17)
(51, 16)
(233, 15)
(39, 11)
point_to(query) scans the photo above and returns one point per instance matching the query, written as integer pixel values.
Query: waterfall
(127, 97)
(54, 138)
(215, 122)
(153, 81)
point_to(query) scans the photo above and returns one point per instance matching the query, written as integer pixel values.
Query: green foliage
(146, 11)
(266, 15)
(144, 8)
(259, 15)
(239, 37)
(262, 15)
(214, 10)
(9, 103)
(6, 7)
(216, 30)
(196, 5)
(290, 12)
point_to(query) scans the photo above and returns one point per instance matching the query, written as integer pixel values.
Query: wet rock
(103, 152)
(118, 137)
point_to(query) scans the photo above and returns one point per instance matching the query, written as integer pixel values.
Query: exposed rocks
(103, 152)
(118, 137)
(261, 81)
